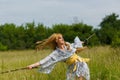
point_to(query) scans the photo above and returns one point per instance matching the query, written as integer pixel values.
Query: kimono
(48, 63)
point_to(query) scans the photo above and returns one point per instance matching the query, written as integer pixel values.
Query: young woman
(66, 52)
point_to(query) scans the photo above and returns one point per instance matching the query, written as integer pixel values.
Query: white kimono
(48, 63)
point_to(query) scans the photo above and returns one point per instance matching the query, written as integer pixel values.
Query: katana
(86, 40)
(13, 70)
(90, 36)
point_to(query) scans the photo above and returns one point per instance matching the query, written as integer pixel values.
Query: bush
(3, 47)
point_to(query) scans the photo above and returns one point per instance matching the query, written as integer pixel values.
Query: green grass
(104, 64)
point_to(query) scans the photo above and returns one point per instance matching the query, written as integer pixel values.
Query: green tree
(8, 35)
(110, 26)
(29, 34)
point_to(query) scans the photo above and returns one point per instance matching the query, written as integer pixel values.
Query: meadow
(104, 64)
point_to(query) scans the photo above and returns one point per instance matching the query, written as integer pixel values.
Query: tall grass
(104, 64)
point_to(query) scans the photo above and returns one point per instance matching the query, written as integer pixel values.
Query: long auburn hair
(50, 42)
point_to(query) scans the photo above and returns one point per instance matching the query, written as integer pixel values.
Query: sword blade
(13, 70)
(90, 36)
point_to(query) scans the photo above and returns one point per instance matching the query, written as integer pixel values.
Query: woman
(66, 52)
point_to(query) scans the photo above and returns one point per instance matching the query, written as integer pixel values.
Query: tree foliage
(109, 32)
(25, 36)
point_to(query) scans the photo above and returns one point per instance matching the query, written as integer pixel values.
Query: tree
(110, 26)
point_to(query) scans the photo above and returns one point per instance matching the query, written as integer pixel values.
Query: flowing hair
(50, 42)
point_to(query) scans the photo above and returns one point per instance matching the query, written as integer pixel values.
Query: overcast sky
(51, 12)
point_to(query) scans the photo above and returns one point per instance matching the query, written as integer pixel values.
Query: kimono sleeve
(48, 60)
(47, 64)
(77, 43)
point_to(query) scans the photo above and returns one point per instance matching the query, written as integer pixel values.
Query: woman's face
(60, 40)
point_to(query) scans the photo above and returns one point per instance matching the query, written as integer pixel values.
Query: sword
(23, 68)
(86, 40)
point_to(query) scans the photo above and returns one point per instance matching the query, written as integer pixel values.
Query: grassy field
(104, 64)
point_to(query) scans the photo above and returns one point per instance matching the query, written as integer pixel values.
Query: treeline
(25, 36)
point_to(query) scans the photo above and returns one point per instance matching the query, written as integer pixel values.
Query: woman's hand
(33, 65)
(30, 66)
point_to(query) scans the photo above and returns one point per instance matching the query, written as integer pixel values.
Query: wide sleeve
(77, 43)
(48, 63)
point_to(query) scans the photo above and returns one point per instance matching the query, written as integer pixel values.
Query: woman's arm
(81, 49)
(45, 61)
(33, 65)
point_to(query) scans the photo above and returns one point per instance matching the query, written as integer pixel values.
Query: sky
(50, 12)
